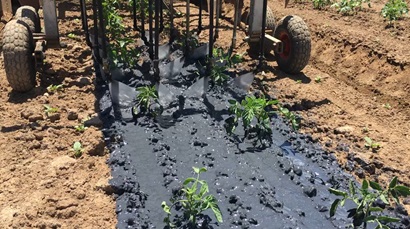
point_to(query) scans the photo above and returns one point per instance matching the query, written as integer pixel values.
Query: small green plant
(387, 106)
(121, 48)
(194, 200)
(290, 116)
(318, 79)
(370, 144)
(72, 36)
(248, 110)
(320, 4)
(50, 110)
(54, 88)
(146, 97)
(230, 59)
(394, 10)
(218, 74)
(78, 149)
(80, 127)
(298, 81)
(350, 7)
(364, 198)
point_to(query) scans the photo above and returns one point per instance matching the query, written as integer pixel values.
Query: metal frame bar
(155, 22)
(50, 24)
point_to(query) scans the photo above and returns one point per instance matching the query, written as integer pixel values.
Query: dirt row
(42, 184)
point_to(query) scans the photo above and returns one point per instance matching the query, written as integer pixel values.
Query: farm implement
(25, 42)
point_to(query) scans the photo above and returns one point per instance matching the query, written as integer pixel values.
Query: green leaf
(337, 192)
(166, 208)
(342, 203)
(352, 188)
(375, 209)
(77, 146)
(402, 190)
(203, 169)
(375, 186)
(393, 183)
(368, 140)
(217, 212)
(384, 199)
(369, 218)
(388, 219)
(189, 180)
(196, 170)
(365, 185)
(231, 101)
(333, 208)
(204, 189)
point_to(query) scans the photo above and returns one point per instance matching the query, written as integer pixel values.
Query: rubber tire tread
(29, 15)
(18, 57)
(299, 35)
(270, 25)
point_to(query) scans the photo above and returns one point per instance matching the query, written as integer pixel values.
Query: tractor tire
(29, 15)
(270, 20)
(18, 57)
(295, 36)
(270, 26)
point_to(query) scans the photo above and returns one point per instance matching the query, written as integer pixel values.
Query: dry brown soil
(363, 67)
(41, 184)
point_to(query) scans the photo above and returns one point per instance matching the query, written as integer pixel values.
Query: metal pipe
(211, 36)
(211, 27)
(262, 38)
(187, 26)
(156, 61)
(151, 35)
(142, 12)
(102, 28)
(172, 28)
(235, 24)
(85, 22)
(134, 13)
(161, 16)
(96, 45)
(218, 13)
(200, 18)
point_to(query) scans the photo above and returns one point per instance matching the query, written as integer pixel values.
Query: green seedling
(146, 97)
(50, 110)
(78, 149)
(220, 55)
(370, 144)
(387, 106)
(365, 211)
(318, 79)
(349, 7)
(320, 4)
(249, 109)
(298, 81)
(194, 200)
(290, 116)
(122, 49)
(80, 128)
(54, 88)
(218, 74)
(394, 10)
(71, 36)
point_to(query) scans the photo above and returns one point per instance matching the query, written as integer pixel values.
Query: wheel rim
(287, 45)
